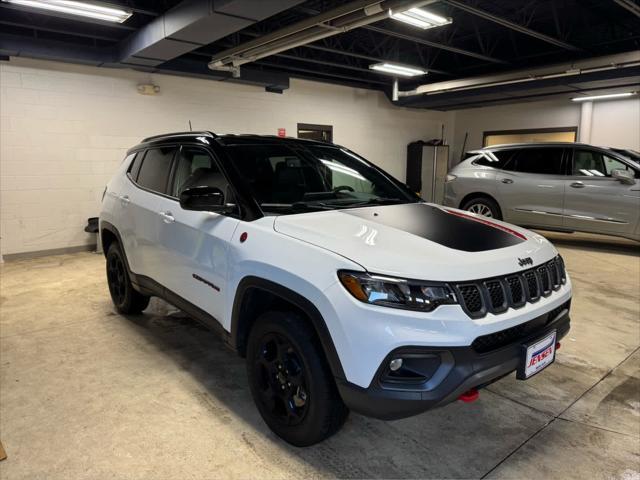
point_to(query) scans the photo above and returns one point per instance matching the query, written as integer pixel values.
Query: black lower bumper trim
(462, 369)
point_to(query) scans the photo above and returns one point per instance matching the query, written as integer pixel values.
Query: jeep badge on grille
(525, 261)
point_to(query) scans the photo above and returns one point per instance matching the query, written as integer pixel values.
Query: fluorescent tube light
(603, 97)
(397, 69)
(81, 9)
(420, 18)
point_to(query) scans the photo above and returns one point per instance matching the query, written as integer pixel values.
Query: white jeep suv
(341, 287)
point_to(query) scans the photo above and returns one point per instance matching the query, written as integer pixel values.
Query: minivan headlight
(393, 292)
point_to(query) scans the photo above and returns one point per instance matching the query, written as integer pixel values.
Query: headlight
(397, 292)
(449, 178)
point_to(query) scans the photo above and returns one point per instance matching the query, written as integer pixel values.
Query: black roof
(227, 139)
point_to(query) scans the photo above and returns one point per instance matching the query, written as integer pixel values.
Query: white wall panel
(65, 128)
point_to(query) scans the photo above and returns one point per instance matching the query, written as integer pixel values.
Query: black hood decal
(452, 230)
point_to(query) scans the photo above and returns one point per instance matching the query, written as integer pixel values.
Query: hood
(420, 241)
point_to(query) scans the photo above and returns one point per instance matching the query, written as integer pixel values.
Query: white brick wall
(65, 128)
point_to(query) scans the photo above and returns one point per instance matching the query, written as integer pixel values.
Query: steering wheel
(343, 188)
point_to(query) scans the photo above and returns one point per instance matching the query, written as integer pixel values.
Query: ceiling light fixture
(81, 9)
(397, 69)
(603, 97)
(420, 18)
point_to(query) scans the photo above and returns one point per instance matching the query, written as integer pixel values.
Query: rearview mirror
(205, 199)
(624, 176)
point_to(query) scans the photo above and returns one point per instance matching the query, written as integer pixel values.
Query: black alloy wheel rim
(281, 379)
(117, 279)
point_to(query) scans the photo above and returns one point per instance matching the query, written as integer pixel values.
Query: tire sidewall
(315, 371)
(114, 251)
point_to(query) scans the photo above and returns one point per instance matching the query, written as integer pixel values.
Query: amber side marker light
(351, 283)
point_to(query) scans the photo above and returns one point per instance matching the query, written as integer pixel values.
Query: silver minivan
(553, 186)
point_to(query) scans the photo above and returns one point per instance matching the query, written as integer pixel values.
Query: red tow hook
(470, 396)
(558, 345)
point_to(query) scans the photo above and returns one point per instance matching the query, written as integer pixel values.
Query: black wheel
(291, 382)
(484, 206)
(125, 298)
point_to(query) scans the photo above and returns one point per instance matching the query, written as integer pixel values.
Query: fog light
(395, 364)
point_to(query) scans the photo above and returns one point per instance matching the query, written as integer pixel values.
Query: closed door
(140, 201)
(595, 201)
(531, 187)
(194, 245)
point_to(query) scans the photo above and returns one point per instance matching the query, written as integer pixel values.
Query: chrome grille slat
(496, 295)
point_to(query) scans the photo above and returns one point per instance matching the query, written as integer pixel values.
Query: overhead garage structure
(337, 42)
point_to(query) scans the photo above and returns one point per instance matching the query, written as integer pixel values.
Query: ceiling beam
(428, 43)
(316, 72)
(509, 24)
(349, 54)
(40, 28)
(629, 5)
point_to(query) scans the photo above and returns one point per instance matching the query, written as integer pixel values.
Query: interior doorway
(322, 133)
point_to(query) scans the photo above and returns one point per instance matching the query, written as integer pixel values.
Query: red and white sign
(282, 132)
(540, 355)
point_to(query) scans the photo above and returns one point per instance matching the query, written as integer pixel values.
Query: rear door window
(495, 159)
(134, 168)
(154, 172)
(543, 161)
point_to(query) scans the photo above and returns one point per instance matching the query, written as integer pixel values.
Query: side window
(134, 168)
(588, 163)
(611, 164)
(495, 159)
(544, 161)
(591, 163)
(154, 172)
(196, 168)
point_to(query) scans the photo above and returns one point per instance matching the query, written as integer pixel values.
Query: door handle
(507, 180)
(577, 185)
(125, 200)
(167, 217)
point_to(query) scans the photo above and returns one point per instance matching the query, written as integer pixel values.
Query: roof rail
(204, 133)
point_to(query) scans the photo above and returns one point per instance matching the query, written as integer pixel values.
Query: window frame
(144, 152)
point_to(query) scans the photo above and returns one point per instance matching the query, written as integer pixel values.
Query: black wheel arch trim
(305, 305)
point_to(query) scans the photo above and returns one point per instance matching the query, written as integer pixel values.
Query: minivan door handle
(507, 180)
(125, 200)
(167, 217)
(577, 185)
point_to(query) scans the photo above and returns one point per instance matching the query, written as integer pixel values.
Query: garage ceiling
(486, 37)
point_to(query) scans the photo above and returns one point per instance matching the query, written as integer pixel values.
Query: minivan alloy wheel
(480, 209)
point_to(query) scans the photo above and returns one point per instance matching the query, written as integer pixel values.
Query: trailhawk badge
(523, 262)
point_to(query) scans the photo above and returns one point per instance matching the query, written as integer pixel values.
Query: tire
(124, 297)
(290, 380)
(484, 206)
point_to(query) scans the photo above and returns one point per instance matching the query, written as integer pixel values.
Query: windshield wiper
(376, 201)
(296, 206)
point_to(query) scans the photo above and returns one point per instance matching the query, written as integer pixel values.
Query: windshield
(290, 179)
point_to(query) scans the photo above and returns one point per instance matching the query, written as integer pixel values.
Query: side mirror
(624, 176)
(205, 199)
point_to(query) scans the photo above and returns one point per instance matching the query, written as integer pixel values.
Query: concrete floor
(87, 393)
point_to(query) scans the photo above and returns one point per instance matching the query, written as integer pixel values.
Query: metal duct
(622, 60)
(333, 22)
(193, 24)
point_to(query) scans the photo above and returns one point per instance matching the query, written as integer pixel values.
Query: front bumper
(455, 370)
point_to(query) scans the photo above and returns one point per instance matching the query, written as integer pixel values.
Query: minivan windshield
(296, 178)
